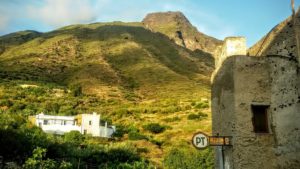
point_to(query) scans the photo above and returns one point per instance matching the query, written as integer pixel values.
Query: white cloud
(63, 12)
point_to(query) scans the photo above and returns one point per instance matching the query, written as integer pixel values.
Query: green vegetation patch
(154, 128)
(198, 116)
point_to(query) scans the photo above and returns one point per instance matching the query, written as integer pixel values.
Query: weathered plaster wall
(282, 40)
(279, 41)
(252, 86)
(285, 106)
(232, 46)
(222, 105)
(274, 81)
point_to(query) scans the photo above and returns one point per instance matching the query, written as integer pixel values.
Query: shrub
(17, 106)
(51, 107)
(154, 128)
(134, 135)
(156, 142)
(6, 102)
(142, 150)
(130, 83)
(120, 131)
(202, 105)
(198, 116)
(170, 109)
(74, 137)
(76, 90)
(172, 119)
(189, 159)
(193, 103)
(65, 165)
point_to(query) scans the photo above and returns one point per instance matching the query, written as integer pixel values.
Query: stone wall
(282, 40)
(243, 81)
(222, 106)
(252, 87)
(232, 46)
(285, 107)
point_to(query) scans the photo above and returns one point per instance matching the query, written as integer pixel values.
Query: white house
(84, 123)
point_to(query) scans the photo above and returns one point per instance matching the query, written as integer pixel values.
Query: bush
(17, 106)
(74, 137)
(76, 90)
(130, 83)
(154, 128)
(65, 165)
(156, 142)
(120, 131)
(189, 159)
(142, 150)
(171, 119)
(202, 105)
(6, 102)
(198, 116)
(134, 135)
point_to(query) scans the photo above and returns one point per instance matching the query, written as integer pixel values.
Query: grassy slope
(128, 74)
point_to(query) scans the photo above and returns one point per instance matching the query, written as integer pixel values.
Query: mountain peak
(166, 17)
(178, 28)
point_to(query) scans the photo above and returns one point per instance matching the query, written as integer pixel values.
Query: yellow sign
(219, 141)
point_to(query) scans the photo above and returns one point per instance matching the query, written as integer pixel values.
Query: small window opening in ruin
(260, 118)
(90, 123)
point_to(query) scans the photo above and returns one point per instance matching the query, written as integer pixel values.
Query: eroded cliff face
(178, 28)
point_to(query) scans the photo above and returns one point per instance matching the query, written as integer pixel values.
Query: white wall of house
(90, 124)
(56, 124)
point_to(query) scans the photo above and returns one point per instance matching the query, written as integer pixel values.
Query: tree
(36, 160)
(74, 137)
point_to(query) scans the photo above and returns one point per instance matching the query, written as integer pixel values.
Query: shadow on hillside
(159, 45)
(177, 58)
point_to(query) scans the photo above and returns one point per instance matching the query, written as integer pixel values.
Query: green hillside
(130, 75)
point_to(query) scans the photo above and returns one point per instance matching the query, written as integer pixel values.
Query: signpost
(201, 141)
(220, 140)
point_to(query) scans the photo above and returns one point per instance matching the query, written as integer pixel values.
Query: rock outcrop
(178, 28)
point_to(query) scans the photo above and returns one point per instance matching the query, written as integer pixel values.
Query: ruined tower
(256, 100)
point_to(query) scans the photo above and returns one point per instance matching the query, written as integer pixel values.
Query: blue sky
(217, 18)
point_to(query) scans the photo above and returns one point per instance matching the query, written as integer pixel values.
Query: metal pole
(220, 154)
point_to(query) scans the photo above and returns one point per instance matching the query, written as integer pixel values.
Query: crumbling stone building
(256, 100)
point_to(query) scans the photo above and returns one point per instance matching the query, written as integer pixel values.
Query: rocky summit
(177, 27)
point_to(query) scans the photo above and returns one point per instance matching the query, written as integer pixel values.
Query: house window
(45, 122)
(84, 131)
(65, 122)
(90, 123)
(260, 118)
